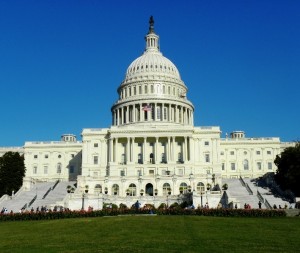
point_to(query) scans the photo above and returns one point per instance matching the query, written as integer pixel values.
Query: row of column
(169, 148)
(152, 112)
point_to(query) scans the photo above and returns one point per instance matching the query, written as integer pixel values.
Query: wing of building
(152, 151)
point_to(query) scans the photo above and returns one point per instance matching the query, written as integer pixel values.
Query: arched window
(115, 189)
(166, 189)
(58, 168)
(98, 188)
(183, 187)
(132, 190)
(246, 164)
(200, 188)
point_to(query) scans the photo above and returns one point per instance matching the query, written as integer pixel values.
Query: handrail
(24, 207)
(242, 181)
(56, 183)
(31, 202)
(249, 189)
(45, 195)
(260, 197)
(268, 204)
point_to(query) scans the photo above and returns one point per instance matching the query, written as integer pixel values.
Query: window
(151, 172)
(95, 159)
(95, 145)
(46, 156)
(200, 188)
(122, 173)
(35, 170)
(231, 152)
(45, 169)
(158, 113)
(246, 165)
(35, 156)
(232, 166)
(58, 168)
(166, 189)
(268, 152)
(206, 143)
(139, 173)
(115, 189)
(132, 190)
(207, 158)
(163, 158)
(72, 155)
(59, 156)
(245, 152)
(269, 166)
(180, 160)
(183, 188)
(71, 169)
(259, 165)
(258, 152)
(140, 158)
(98, 188)
(223, 166)
(222, 152)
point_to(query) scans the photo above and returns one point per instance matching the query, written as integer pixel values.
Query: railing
(56, 183)
(31, 202)
(242, 181)
(260, 197)
(268, 204)
(24, 207)
(249, 189)
(45, 195)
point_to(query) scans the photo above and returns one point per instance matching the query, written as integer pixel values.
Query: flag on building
(147, 108)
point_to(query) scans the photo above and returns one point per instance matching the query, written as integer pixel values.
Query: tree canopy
(12, 171)
(288, 169)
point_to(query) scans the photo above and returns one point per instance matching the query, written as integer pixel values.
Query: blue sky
(61, 63)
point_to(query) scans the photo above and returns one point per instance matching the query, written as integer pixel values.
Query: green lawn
(152, 234)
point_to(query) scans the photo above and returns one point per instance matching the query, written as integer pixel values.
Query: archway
(149, 189)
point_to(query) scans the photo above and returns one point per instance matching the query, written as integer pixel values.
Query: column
(182, 115)
(141, 113)
(185, 157)
(144, 151)
(162, 112)
(170, 111)
(110, 149)
(173, 149)
(116, 150)
(169, 151)
(132, 151)
(127, 114)
(133, 114)
(156, 151)
(122, 115)
(127, 150)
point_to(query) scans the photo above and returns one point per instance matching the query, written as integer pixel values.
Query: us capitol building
(152, 152)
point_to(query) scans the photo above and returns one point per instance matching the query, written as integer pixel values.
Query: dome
(152, 63)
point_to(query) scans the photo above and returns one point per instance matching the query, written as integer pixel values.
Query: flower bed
(125, 211)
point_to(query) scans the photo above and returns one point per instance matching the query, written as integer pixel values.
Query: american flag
(147, 108)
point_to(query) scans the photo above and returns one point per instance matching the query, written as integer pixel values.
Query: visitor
(274, 206)
(259, 205)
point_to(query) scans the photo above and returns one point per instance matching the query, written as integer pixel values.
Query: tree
(288, 169)
(12, 171)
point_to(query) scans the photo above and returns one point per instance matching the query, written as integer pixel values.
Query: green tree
(12, 171)
(288, 169)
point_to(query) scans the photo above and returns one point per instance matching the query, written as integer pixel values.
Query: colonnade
(152, 112)
(159, 149)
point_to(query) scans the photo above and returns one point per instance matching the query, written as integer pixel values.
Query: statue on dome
(151, 23)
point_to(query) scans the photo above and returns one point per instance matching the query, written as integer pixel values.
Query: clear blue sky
(62, 61)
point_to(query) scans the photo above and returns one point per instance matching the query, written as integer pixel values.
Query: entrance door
(149, 189)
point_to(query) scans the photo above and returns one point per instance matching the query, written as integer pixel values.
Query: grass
(152, 234)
